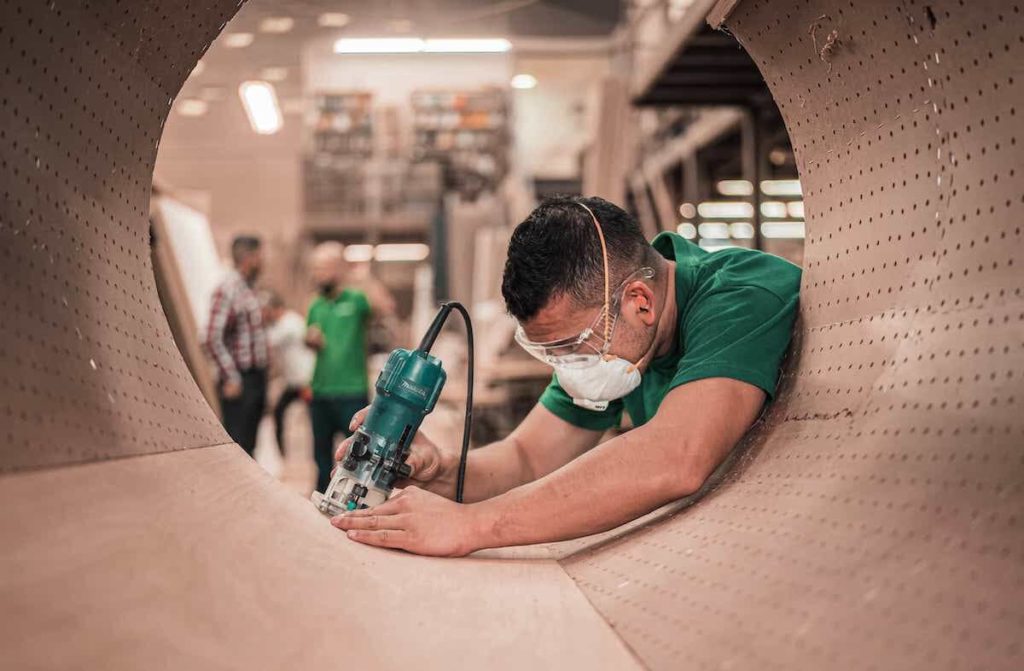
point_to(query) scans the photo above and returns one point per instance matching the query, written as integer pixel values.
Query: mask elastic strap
(607, 287)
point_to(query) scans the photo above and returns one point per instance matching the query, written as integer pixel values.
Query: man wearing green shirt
(336, 329)
(687, 342)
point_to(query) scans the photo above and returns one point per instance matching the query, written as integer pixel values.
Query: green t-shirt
(341, 363)
(736, 310)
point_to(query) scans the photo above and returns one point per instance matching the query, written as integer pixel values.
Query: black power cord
(428, 342)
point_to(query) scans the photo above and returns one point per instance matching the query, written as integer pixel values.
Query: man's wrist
(484, 525)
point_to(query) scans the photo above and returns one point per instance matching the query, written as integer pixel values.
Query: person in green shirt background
(337, 326)
(687, 342)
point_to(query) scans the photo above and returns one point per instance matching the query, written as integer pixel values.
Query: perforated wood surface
(119, 548)
(88, 368)
(877, 522)
(874, 523)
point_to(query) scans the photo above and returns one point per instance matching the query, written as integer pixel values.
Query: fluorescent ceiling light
(238, 40)
(274, 74)
(192, 107)
(378, 45)
(741, 230)
(401, 252)
(796, 209)
(735, 187)
(781, 187)
(714, 245)
(260, 102)
(714, 231)
(687, 230)
(467, 46)
(783, 229)
(277, 24)
(773, 208)
(416, 45)
(358, 253)
(523, 81)
(687, 211)
(333, 20)
(726, 210)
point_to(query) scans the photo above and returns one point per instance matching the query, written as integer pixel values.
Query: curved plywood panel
(90, 370)
(178, 558)
(878, 521)
(875, 520)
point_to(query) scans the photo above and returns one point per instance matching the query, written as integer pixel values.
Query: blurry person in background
(236, 339)
(286, 333)
(337, 327)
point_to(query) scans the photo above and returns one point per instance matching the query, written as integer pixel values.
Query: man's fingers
(358, 419)
(339, 454)
(385, 538)
(370, 522)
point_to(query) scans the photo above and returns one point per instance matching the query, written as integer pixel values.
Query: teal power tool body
(407, 391)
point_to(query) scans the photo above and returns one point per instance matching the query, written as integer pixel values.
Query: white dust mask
(593, 386)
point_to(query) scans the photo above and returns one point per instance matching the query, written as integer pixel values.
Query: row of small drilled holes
(64, 355)
(72, 181)
(156, 339)
(70, 125)
(756, 575)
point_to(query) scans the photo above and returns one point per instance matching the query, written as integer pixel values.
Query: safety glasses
(589, 345)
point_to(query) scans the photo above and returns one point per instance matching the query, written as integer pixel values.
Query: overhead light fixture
(783, 229)
(238, 40)
(274, 74)
(773, 208)
(523, 81)
(712, 245)
(277, 24)
(333, 20)
(741, 230)
(358, 253)
(192, 107)
(197, 69)
(687, 211)
(260, 102)
(735, 187)
(416, 45)
(781, 187)
(796, 209)
(687, 230)
(401, 252)
(716, 230)
(726, 210)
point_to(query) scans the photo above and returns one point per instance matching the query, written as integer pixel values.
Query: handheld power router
(407, 390)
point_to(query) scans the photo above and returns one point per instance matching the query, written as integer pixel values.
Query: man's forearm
(615, 482)
(494, 469)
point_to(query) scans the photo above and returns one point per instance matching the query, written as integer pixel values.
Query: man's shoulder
(740, 267)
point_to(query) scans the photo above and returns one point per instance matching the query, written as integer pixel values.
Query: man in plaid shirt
(237, 340)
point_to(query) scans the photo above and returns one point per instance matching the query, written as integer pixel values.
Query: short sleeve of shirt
(560, 404)
(311, 313)
(739, 332)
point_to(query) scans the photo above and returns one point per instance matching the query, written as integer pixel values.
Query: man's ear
(641, 298)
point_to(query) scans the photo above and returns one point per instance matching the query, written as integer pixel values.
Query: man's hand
(231, 389)
(314, 337)
(433, 469)
(418, 521)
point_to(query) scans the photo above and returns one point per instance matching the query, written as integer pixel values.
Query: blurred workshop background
(419, 133)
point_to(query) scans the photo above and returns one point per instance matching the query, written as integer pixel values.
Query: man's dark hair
(243, 245)
(556, 251)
